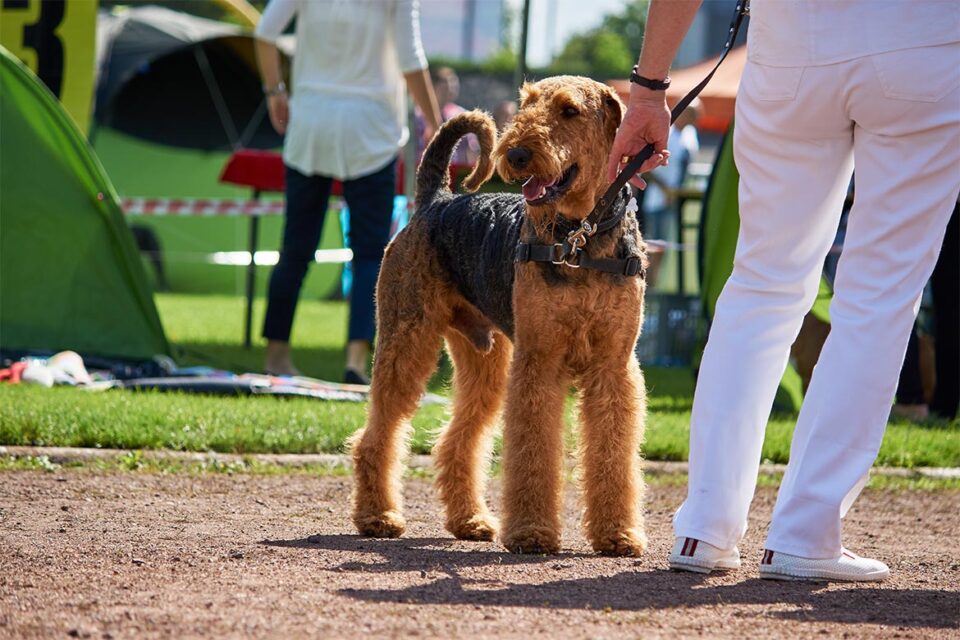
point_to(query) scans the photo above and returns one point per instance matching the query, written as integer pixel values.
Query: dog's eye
(570, 112)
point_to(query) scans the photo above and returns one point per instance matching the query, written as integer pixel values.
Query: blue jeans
(370, 199)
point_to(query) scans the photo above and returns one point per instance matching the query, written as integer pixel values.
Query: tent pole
(251, 274)
(218, 101)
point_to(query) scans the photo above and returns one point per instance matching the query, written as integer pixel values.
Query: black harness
(570, 251)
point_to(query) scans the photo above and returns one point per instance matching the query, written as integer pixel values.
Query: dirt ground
(85, 554)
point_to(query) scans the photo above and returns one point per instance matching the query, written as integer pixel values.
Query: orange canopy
(718, 97)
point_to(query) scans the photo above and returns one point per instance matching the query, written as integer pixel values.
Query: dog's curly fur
(522, 331)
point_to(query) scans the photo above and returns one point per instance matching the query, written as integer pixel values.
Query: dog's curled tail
(433, 175)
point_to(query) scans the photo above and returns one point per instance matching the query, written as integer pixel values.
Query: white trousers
(798, 134)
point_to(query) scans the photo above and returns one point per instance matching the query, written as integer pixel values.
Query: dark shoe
(352, 376)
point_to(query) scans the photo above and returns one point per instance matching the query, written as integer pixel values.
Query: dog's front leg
(533, 450)
(612, 411)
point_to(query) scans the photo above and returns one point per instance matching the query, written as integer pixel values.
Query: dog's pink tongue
(534, 188)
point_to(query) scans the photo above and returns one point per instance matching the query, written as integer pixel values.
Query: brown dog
(516, 326)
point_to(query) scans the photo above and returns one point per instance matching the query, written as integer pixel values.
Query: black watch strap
(655, 85)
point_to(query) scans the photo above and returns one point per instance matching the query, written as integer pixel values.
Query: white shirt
(800, 33)
(348, 101)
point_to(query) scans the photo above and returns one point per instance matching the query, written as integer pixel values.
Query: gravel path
(86, 554)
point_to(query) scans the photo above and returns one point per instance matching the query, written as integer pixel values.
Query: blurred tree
(629, 24)
(502, 61)
(599, 54)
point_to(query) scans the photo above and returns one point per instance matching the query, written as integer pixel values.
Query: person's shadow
(631, 590)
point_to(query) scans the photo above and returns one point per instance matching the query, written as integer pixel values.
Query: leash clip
(578, 238)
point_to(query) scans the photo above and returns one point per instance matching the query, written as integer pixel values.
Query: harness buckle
(560, 255)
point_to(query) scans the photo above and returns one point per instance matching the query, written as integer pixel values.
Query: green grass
(135, 462)
(209, 330)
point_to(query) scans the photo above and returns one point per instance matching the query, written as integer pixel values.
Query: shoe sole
(703, 567)
(822, 576)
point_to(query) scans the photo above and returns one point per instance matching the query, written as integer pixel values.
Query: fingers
(616, 164)
(279, 116)
(279, 110)
(660, 159)
(613, 162)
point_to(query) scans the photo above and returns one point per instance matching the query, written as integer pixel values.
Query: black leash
(569, 252)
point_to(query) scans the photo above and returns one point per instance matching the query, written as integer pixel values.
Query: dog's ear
(612, 109)
(529, 92)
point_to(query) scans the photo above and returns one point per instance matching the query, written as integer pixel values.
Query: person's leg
(370, 199)
(793, 149)
(306, 207)
(946, 313)
(908, 173)
(910, 401)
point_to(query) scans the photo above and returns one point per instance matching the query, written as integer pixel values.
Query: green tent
(70, 273)
(719, 229)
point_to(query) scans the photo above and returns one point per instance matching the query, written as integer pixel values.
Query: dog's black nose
(519, 157)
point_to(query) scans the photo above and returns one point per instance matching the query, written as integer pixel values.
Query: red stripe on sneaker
(693, 548)
(686, 543)
(767, 557)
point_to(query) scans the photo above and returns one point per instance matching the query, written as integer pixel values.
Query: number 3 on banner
(56, 39)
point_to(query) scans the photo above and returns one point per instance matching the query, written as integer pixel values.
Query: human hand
(279, 108)
(647, 121)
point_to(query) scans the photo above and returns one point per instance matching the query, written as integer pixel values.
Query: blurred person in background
(504, 113)
(446, 84)
(344, 119)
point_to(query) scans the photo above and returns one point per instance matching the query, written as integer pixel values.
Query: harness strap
(563, 253)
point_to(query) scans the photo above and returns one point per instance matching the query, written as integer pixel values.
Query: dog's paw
(481, 528)
(389, 524)
(534, 540)
(630, 542)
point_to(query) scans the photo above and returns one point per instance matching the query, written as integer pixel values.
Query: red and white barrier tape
(200, 207)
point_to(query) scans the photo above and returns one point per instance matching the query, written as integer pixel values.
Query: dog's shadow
(631, 590)
(419, 554)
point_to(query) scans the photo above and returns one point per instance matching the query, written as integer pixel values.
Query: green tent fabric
(719, 228)
(70, 273)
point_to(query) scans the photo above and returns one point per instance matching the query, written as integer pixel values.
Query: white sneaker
(690, 554)
(848, 567)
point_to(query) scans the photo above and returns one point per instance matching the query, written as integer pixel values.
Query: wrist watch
(654, 85)
(279, 89)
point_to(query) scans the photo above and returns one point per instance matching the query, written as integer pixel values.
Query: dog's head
(558, 144)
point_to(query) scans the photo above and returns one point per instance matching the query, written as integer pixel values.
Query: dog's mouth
(537, 190)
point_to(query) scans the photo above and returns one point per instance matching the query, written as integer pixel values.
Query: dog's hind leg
(406, 355)
(463, 451)
(612, 410)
